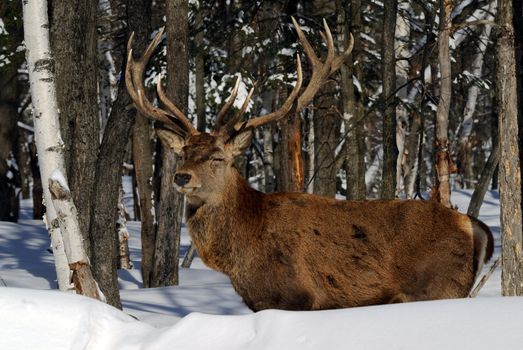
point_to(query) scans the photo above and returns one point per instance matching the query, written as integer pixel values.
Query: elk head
(208, 157)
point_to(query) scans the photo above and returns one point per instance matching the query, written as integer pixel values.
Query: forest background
(429, 100)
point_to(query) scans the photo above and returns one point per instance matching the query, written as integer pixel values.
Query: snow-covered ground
(204, 312)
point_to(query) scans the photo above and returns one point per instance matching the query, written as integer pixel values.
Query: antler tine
(284, 109)
(231, 123)
(227, 105)
(338, 61)
(307, 47)
(172, 107)
(329, 41)
(134, 72)
(320, 70)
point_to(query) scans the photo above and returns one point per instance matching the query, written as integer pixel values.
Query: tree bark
(442, 162)
(401, 45)
(484, 180)
(46, 121)
(472, 97)
(390, 151)
(74, 45)
(144, 170)
(326, 130)
(38, 192)
(353, 110)
(200, 70)
(167, 249)
(8, 132)
(510, 156)
(292, 178)
(109, 167)
(67, 219)
(10, 91)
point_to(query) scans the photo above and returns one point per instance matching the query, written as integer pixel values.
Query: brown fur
(297, 251)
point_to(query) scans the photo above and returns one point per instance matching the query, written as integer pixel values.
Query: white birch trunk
(67, 218)
(46, 124)
(61, 214)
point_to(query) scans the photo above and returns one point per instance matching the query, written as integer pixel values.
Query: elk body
(298, 251)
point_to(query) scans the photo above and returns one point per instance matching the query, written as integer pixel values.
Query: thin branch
(484, 279)
(479, 22)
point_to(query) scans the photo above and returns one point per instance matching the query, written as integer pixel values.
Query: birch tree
(50, 145)
(46, 124)
(67, 218)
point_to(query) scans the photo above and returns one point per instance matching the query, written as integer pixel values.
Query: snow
(59, 177)
(457, 324)
(204, 312)
(3, 31)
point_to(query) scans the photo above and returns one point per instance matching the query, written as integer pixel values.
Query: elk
(298, 251)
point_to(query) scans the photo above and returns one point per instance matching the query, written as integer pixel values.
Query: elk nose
(182, 179)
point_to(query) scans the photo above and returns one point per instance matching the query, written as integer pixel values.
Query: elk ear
(171, 140)
(240, 142)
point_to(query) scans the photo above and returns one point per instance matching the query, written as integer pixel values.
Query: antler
(235, 123)
(285, 108)
(178, 122)
(174, 119)
(227, 105)
(320, 72)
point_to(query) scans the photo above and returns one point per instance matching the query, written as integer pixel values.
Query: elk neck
(219, 225)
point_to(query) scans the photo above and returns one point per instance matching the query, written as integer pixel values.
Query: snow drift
(33, 319)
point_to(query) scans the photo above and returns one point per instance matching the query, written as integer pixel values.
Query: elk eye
(217, 159)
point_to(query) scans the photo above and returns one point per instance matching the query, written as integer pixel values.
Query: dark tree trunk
(23, 156)
(74, 45)
(484, 180)
(200, 71)
(291, 159)
(353, 111)
(143, 168)
(38, 192)
(292, 177)
(390, 151)
(167, 249)
(8, 131)
(510, 156)
(517, 19)
(109, 167)
(326, 130)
